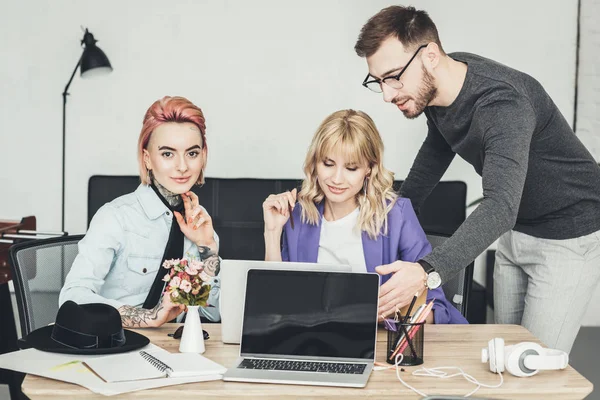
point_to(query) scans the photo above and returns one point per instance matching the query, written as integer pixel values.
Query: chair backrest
(458, 288)
(235, 206)
(105, 188)
(39, 268)
(444, 210)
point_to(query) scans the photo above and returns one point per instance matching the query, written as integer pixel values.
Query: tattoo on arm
(210, 258)
(136, 317)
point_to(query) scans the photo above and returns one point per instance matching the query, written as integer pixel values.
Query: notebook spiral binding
(155, 362)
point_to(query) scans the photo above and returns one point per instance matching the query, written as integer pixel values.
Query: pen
(413, 319)
(412, 304)
(404, 321)
(415, 328)
(413, 331)
(291, 215)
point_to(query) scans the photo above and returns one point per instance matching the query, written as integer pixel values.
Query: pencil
(413, 330)
(405, 319)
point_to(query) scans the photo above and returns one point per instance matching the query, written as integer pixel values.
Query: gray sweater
(537, 176)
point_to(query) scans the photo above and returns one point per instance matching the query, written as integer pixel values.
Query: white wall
(265, 72)
(588, 105)
(588, 98)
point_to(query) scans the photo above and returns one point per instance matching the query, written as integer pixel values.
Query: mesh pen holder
(406, 339)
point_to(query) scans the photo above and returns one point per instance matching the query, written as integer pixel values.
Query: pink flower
(175, 282)
(183, 262)
(186, 286)
(167, 278)
(190, 270)
(170, 263)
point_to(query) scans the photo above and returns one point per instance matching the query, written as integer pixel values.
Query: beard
(426, 93)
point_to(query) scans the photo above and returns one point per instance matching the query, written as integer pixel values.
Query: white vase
(192, 339)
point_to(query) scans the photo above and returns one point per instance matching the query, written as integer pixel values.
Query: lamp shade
(93, 59)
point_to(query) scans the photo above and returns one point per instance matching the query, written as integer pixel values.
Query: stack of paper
(70, 368)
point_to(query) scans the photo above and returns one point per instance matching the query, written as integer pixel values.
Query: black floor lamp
(93, 62)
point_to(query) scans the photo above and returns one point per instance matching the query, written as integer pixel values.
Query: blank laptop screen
(321, 314)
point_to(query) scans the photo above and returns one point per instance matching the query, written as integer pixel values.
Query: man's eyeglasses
(392, 81)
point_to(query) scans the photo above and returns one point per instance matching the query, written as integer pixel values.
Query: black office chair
(444, 210)
(39, 268)
(458, 288)
(235, 206)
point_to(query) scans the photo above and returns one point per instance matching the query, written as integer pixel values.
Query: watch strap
(426, 266)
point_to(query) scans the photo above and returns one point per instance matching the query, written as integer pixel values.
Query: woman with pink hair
(129, 238)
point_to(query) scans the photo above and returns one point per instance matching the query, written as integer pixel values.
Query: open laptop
(309, 328)
(233, 288)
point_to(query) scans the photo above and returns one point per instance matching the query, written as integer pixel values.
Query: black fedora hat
(93, 328)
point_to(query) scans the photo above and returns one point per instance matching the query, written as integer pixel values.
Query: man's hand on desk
(136, 317)
(408, 278)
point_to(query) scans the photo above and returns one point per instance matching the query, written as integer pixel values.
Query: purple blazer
(405, 241)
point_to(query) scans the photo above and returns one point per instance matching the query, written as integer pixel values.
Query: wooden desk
(445, 345)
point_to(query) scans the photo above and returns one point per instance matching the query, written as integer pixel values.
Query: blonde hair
(355, 135)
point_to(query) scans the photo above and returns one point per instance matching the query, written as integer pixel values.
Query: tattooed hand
(210, 258)
(136, 317)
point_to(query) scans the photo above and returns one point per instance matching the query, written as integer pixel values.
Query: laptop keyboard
(302, 366)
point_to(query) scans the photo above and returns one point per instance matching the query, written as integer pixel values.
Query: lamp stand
(64, 127)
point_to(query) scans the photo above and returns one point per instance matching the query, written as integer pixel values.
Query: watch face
(434, 280)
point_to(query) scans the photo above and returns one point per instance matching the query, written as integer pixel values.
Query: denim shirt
(121, 253)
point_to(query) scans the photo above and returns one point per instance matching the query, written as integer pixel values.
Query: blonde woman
(348, 212)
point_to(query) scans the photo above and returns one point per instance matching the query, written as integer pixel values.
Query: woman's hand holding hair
(277, 209)
(197, 225)
(276, 212)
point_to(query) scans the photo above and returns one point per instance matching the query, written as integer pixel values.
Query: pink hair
(169, 109)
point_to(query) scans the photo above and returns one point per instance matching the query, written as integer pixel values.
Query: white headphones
(523, 359)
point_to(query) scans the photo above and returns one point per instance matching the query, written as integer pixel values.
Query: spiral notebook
(141, 365)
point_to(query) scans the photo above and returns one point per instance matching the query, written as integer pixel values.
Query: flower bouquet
(187, 283)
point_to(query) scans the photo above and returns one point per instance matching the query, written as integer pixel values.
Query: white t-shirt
(341, 243)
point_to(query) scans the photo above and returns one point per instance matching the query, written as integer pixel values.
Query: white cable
(439, 372)
(397, 362)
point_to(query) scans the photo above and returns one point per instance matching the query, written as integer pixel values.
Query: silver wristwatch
(433, 279)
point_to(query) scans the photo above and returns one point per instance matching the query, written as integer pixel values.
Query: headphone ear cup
(515, 358)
